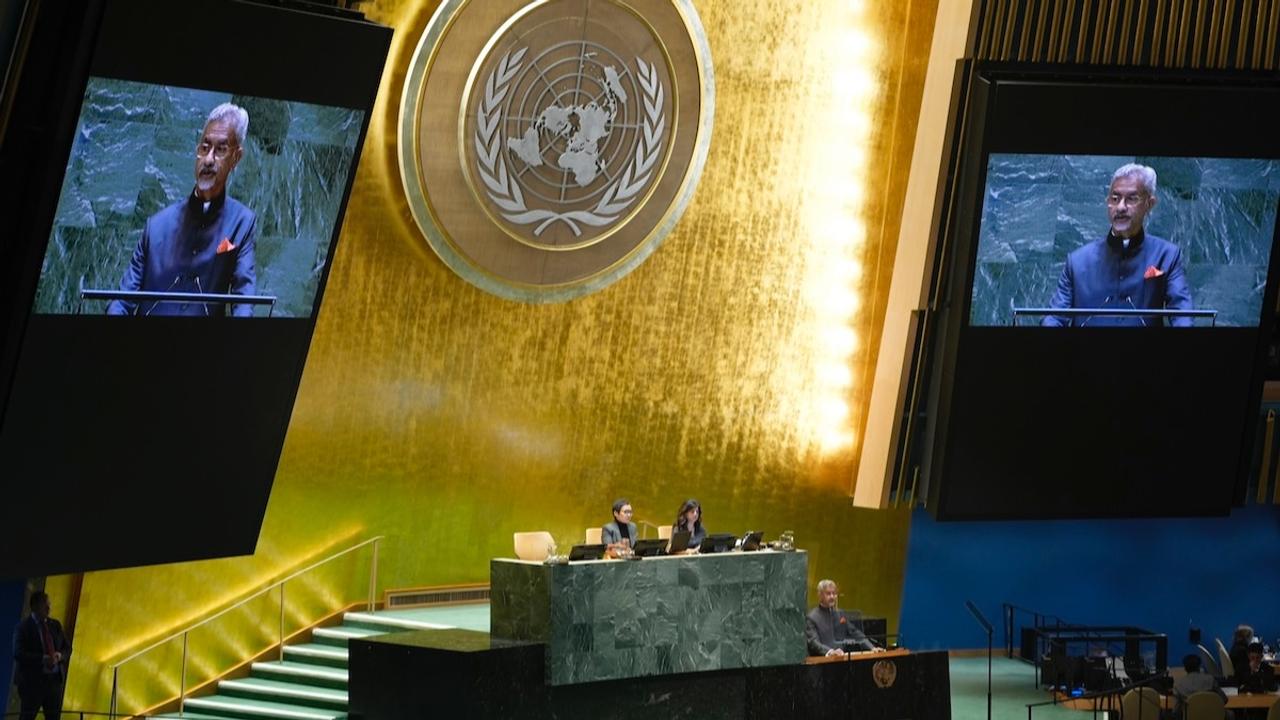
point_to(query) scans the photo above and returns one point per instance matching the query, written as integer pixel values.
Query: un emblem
(555, 160)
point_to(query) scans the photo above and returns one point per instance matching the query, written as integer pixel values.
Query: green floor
(1012, 689)
(467, 617)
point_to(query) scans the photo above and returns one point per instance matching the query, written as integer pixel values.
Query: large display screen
(162, 203)
(175, 179)
(1105, 284)
(1106, 236)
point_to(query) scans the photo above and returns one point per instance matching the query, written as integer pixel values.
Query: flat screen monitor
(171, 244)
(1105, 284)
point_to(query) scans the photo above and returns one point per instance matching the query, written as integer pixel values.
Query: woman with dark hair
(620, 535)
(689, 520)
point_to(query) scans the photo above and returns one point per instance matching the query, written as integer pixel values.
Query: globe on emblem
(572, 123)
(578, 135)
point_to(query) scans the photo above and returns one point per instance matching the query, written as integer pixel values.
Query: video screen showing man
(1129, 269)
(203, 243)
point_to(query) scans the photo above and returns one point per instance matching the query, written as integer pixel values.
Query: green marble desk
(613, 619)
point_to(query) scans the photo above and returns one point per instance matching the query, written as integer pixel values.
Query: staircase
(310, 683)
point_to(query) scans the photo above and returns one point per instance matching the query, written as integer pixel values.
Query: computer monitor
(587, 552)
(679, 541)
(650, 547)
(751, 541)
(720, 542)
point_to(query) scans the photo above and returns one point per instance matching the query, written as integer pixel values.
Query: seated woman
(620, 534)
(689, 519)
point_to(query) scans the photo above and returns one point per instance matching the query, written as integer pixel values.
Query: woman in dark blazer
(689, 519)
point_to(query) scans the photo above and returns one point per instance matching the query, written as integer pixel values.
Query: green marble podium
(614, 619)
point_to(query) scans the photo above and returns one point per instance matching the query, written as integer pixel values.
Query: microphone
(203, 306)
(1141, 319)
(1089, 319)
(176, 278)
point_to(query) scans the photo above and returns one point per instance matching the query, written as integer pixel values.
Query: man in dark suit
(41, 653)
(204, 243)
(1255, 676)
(829, 630)
(1128, 269)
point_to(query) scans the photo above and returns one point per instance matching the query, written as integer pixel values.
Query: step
(341, 634)
(388, 623)
(238, 707)
(317, 654)
(286, 692)
(302, 673)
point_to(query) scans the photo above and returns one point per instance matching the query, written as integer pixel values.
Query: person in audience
(1239, 652)
(829, 630)
(1255, 676)
(1128, 269)
(620, 534)
(1193, 682)
(41, 652)
(689, 519)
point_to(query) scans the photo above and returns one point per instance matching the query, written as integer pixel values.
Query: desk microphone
(176, 278)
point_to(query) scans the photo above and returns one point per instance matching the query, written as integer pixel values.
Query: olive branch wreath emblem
(505, 192)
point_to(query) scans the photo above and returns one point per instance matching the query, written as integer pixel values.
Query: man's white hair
(1145, 175)
(826, 584)
(235, 116)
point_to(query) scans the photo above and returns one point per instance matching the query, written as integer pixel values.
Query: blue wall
(1157, 574)
(11, 594)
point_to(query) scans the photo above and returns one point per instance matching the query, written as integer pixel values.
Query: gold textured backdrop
(730, 367)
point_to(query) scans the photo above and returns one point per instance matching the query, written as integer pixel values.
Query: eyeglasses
(1129, 200)
(220, 151)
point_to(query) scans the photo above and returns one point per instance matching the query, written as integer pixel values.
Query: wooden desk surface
(1252, 700)
(856, 657)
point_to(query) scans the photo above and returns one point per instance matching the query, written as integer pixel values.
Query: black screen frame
(979, 466)
(153, 440)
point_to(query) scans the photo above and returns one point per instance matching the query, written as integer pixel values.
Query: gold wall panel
(731, 366)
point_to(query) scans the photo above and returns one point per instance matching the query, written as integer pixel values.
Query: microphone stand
(977, 615)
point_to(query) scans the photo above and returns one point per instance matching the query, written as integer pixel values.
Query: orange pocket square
(1152, 272)
(225, 247)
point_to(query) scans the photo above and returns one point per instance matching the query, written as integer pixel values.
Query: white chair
(1206, 706)
(1140, 704)
(593, 535)
(1228, 667)
(1206, 660)
(664, 532)
(534, 545)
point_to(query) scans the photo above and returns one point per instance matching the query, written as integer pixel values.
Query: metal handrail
(185, 632)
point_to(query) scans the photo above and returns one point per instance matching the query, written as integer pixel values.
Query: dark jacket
(185, 248)
(826, 629)
(696, 536)
(29, 652)
(1150, 273)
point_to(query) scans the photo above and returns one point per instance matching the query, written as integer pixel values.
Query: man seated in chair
(1255, 676)
(1193, 682)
